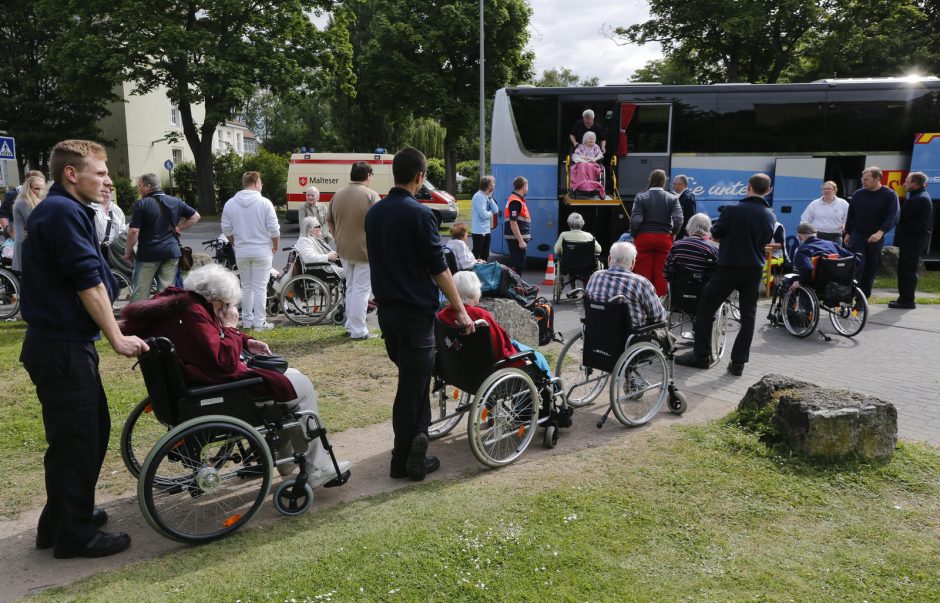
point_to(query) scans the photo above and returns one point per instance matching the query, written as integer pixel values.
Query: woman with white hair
(312, 247)
(469, 288)
(587, 166)
(576, 234)
(200, 319)
(695, 253)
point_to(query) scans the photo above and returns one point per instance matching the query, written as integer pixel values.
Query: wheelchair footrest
(338, 481)
(562, 416)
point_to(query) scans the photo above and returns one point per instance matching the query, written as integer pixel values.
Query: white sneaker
(318, 477)
(264, 326)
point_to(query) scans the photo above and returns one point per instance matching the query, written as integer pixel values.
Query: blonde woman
(33, 191)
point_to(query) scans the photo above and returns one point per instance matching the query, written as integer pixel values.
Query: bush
(126, 193)
(184, 183)
(227, 169)
(436, 171)
(273, 169)
(471, 170)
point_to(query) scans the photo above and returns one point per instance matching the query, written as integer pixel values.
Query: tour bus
(329, 172)
(718, 135)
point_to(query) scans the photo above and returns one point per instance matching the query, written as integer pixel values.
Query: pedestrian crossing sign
(7, 148)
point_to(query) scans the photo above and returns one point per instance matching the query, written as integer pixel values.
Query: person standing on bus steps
(585, 124)
(827, 213)
(347, 218)
(911, 237)
(742, 231)
(484, 208)
(873, 211)
(656, 219)
(517, 227)
(680, 186)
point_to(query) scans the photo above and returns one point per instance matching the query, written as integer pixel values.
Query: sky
(568, 34)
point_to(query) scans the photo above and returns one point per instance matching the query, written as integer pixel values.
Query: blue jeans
(144, 273)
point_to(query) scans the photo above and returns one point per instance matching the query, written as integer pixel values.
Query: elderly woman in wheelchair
(312, 285)
(233, 412)
(506, 386)
(587, 167)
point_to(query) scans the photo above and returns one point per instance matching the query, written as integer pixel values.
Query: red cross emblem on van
(303, 180)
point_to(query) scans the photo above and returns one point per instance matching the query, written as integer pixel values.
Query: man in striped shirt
(642, 302)
(695, 253)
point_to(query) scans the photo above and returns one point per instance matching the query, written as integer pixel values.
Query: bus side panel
(719, 181)
(542, 200)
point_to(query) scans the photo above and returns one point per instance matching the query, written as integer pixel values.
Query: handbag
(186, 252)
(272, 362)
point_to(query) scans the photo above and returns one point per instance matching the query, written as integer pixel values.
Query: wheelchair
(681, 304)
(314, 292)
(585, 194)
(9, 291)
(834, 289)
(505, 402)
(577, 261)
(211, 469)
(640, 364)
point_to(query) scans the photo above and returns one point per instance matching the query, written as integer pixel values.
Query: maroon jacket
(207, 352)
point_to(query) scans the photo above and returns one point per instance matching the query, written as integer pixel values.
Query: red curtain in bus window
(626, 116)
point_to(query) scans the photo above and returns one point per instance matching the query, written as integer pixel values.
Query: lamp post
(482, 103)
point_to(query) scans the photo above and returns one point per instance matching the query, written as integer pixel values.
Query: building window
(175, 119)
(177, 156)
(238, 141)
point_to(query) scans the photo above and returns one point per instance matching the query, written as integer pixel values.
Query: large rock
(201, 259)
(516, 320)
(822, 422)
(889, 262)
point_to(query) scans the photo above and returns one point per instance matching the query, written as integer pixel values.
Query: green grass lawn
(347, 398)
(929, 282)
(701, 513)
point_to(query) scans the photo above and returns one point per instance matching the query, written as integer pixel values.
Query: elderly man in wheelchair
(232, 410)
(824, 280)
(623, 336)
(576, 256)
(506, 387)
(312, 285)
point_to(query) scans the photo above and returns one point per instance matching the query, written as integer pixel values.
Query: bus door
(643, 145)
(797, 181)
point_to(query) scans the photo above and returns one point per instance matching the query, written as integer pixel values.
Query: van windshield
(430, 187)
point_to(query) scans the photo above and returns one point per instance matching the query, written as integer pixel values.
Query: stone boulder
(889, 262)
(821, 422)
(201, 259)
(516, 320)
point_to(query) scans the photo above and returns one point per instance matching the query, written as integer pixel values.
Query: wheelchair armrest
(530, 356)
(210, 390)
(646, 329)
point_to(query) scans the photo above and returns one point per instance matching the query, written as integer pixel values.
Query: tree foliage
(564, 77)
(427, 136)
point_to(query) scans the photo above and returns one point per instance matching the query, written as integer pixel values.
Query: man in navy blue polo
(67, 295)
(873, 211)
(407, 266)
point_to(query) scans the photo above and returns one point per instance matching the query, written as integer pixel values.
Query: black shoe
(102, 545)
(899, 305)
(736, 368)
(690, 359)
(431, 464)
(99, 517)
(415, 465)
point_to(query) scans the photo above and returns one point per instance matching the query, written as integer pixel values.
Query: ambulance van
(329, 172)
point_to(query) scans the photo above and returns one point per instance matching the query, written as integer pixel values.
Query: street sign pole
(168, 164)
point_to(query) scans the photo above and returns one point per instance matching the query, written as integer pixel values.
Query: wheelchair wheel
(677, 402)
(306, 300)
(639, 384)
(720, 333)
(290, 501)
(9, 295)
(503, 417)
(122, 296)
(800, 311)
(559, 284)
(734, 306)
(338, 316)
(205, 479)
(550, 437)
(444, 414)
(142, 430)
(849, 318)
(582, 384)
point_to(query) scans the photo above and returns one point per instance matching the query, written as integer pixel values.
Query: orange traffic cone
(550, 271)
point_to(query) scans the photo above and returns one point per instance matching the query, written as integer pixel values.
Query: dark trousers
(746, 280)
(516, 255)
(78, 424)
(871, 260)
(908, 258)
(409, 342)
(481, 246)
(835, 237)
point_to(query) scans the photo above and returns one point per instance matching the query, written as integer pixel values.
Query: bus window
(648, 130)
(694, 118)
(878, 120)
(536, 122)
(783, 122)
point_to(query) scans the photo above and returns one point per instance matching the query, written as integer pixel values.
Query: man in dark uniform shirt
(911, 237)
(585, 124)
(680, 186)
(67, 295)
(873, 211)
(407, 266)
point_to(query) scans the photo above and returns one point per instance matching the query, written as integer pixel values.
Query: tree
(425, 57)
(742, 41)
(564, 78)
(216, 53)
(427, 136)
(46, 97)
(664, 71)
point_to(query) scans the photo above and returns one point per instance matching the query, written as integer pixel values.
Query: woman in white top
(827, 213)
(313, 249)
(458, 244)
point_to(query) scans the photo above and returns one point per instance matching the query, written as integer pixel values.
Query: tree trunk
(450, 164)
(200, 143)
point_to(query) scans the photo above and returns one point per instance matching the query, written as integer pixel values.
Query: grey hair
(589, 135)
(575, 221)
(588, 113)
(150, 181)
(699, 224)
(312, 189)
(307, 226)
(215, 283)
(622, 254)
(682, 178)
(468, 286)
